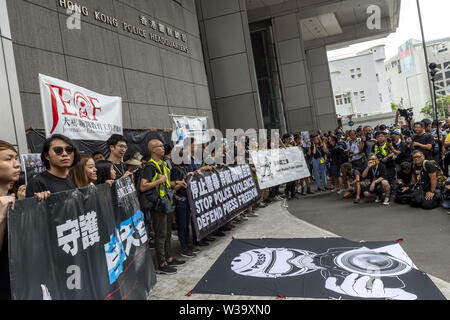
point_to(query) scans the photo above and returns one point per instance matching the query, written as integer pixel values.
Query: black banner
(88, 243)
(216, 196)
(137, 141)
(317, 268)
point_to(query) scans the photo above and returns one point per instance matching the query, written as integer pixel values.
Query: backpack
(439, 172)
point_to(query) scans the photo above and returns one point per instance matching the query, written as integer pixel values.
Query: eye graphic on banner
(317, 268)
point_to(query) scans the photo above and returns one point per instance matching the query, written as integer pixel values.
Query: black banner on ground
(317, 268)
(216, 196)
(82, 244)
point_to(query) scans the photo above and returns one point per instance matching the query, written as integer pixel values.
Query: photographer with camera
(435, 151)
(383, 151)
(369, 140)
(407, 114)
(422, 141)
(404, 189)
(376, 173)
(426, 192)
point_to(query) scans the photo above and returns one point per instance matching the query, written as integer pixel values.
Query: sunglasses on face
(60, 150)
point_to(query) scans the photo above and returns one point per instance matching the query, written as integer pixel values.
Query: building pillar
(229, 64)
(12, 128)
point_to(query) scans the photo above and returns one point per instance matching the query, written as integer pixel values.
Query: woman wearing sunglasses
(59, 154)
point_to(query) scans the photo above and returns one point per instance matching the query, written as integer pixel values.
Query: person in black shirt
(353, 182)
(337, 157)
(9, 172)
(59, 154)
(404, 186)
(426, 194)
(422, 141)
(402, 152)
(377, 174)
(118, 146)
(182, 210)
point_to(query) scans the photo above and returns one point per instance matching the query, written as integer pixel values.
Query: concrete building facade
(360, 83)
(241, 63)
(407, 74)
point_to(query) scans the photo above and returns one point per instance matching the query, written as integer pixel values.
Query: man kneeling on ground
(376, 173)
(426, 194)
(353, 182)
(404, 188)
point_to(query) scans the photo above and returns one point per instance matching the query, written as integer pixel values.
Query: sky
(435, 16)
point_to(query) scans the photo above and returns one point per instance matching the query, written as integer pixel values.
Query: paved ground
(426, 233)
(273, 222)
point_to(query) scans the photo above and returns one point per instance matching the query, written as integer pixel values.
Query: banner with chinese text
(217, 196)
(85, 244)
(78, 113)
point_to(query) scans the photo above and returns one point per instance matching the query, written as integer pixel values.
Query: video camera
(406, 113)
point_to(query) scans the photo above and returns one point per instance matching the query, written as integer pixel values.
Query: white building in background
(360, 84)
(407, 74)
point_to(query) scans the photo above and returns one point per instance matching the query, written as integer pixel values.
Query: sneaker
(278, 198)
(176, 262)
(202, 243)
(386, 201)
(166, 270)
(225, 228)
(194, 250)
(219, 233)
(340, 191)
(244, 217)
(187, 253)
(252, 214)
(261, 205)
(356, 201)
(319, 189)
(237, 221)
(309, 191)
(209, 238)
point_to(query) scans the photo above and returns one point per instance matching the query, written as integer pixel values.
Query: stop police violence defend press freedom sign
(218, 195)
(78, 113)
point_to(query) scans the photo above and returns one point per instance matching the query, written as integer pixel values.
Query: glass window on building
(446, 65)
(347, 98)
(339, 100)
(381, 97)
(447, 74)
(268, 78)
(362, 95)
(439, 76)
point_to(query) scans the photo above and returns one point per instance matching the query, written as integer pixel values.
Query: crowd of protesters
(403, 163)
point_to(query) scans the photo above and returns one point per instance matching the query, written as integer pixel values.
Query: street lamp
(433, 71)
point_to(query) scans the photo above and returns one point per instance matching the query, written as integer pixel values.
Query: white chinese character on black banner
(89, 229)
(65, 240)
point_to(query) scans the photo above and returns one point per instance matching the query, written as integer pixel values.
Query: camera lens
(371, 263)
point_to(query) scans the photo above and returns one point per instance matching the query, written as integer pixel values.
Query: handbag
(418, 194)
(165, 204)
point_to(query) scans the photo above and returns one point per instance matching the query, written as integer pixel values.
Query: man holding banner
(155, 185)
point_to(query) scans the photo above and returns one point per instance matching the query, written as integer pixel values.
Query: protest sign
(278, 166)
(87, 243)
(216, 196)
